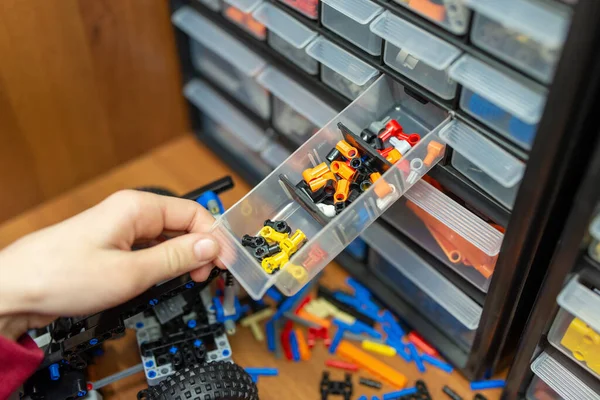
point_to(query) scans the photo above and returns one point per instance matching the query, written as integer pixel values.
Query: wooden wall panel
(84, 86)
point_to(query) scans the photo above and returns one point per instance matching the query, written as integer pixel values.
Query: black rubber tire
(218, 380)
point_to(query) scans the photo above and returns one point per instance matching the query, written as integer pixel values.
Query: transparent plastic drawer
(594, 247)
(554, 380)
(452, 15)
(446, 306)
(575, 330)
(341, 70)
(297, 113)
(229, 126)
(513, 106)
(526, 33)
(350, 19)
(214, 5)
(309, 8)
(224, 60)
(240, 13)
(418, 54)
(457, 237)
(482, 161)
(275, 154)
(279, 197)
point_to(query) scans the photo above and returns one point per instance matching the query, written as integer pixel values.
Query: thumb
(176, 256)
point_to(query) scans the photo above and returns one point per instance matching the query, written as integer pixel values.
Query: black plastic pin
(451, 393)
(479, 396)
(370, 383)
(279, 226)
(334, 155)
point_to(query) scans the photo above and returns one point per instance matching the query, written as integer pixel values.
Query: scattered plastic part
(314, 319)
(400, 393)
(414, 353)
(436, 362)
(99, 384)
(252, 321)
(451, 393)
(485, 385)
(378, 348)
(294, 346)
(286, 340)
(372, 383)
(318, 333)
(302, 345)
(302, 304)
(256, 372)
(479, 396)
(274, 294)
(363, 397)
(400, 347)
(271, 339)
(421, 344)
(371, 364)
(337, 339)
(301, 321)
(54, 372)
(342, 365)
(342, 388)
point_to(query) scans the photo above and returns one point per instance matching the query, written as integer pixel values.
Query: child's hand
(85, 264)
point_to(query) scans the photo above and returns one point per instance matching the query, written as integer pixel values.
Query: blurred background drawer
(452, 15)
(240, 13)
(510, 105)
(214, 5)
(310, 8)
(528, 34)
(350, 19)
(594, 247)
(424, 288)
(485, 163)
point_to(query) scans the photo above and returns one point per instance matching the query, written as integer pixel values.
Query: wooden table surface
(183, 165)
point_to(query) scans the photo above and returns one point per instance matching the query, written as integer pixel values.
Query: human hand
(85, 264)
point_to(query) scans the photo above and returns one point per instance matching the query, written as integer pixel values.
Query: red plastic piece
(321, 333)
(89, 386)
(315, 255)
(303, 303)
(412, 138)
(392, 128)
(421, 344)
(285, 340)
(385, 151)
(342, 365)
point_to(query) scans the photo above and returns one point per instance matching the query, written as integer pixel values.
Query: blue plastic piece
(81, 393)
(365, 306)
(360, 327)
(226, 353)
(208, 197)
(339, 334)
(191, 323)
(189, 285)
(484, 109)
(153, 302)
(290, 301)
(197, 343)
(387, 320)
(374, 398)
(400, 349)
(270, 329)
(220, 312)
(274, 294)
(149, 364)
(483, 385)
(357, 249)
(93, 342)
(173, 350)
(262, 371)
(54, 372)
(98, 351)
(400, 393)
(139, 325)
(521, 131)
(294, 346)
(151, 374)
(414, 354)
(363, 397)
(437, 363)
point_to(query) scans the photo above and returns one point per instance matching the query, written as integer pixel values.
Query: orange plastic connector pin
(341, 192)
(436, 12)
(347, 151)
(313, 173)
(313, 318)
(318, 183)
(374, 177)
(302, 345)
(394, 156)
(371, 364)
(434, 150)
(343, 170)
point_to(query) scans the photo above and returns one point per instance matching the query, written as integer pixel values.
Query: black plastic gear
(218, 380)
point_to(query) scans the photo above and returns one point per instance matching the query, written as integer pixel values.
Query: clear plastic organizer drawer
(445, 305)
(528, 34)
(452, 15)
(418, 54)
(240, 13)
(482, 161)
(554, 380)
(594, 247)
(575, 330)
(350, 19)
(292, 194)
(309, 8)
(229, 127)
(341, 70)
(457, 237)
(275, 154)
(224, 60)
(288, 36)
(511, 105)
(297, 113)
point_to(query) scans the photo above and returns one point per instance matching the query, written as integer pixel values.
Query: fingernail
(206, 249)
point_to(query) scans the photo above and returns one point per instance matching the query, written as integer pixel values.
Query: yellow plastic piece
(313, 173)
(584, 344)
(346, 149)
(272, 235)
(274, 263)
(394, 156)
(256, 317)
(321, 181)
(292, 244)
(378, 348)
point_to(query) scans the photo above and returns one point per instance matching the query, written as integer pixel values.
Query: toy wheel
(218, 380)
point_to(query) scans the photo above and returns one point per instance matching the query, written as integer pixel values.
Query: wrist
(13, 327)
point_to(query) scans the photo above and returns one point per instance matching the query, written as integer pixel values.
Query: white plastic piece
(417, 42)
(296, 96)
(595, 228)
(540, 21)
(222, 112)
(245, 6)
(489, 157)
(426, 278)
(218, 41)
(561, 379)
(327, 209)
(582, 302)
(514, 97)
(361, 11)
(401, 145)
(284, 25)
(43, 340)
(340, 61)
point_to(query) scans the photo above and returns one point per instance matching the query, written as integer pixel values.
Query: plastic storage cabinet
(528, 34)
(486, 164)
(576, 326)
(229, 127)
(445, 305)
(288, 36)
(240, 13)
(418, 54)
(310, 8)
(275, 154)
(453, 234)
(350, 19)
(275, 198)
(214, 5)
(450, 14)
(512, 106)
(341, 70)
(594, 247)
(297, 113)
(554, 380)
(224, 60)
